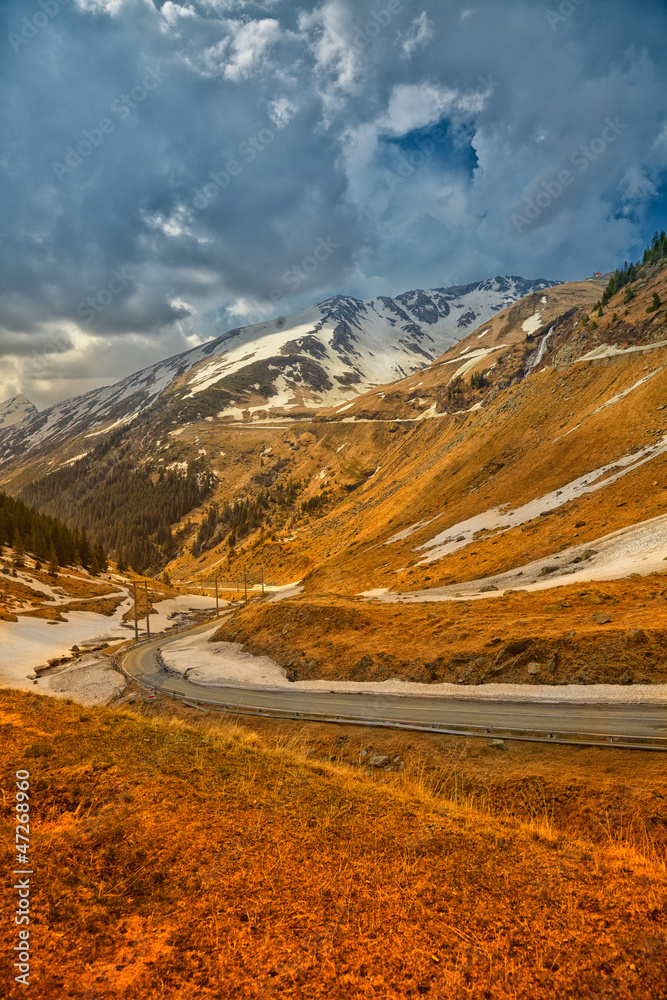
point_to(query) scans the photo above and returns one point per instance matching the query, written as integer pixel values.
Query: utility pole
(217, 605)
(262, 579)
(148, 624)
(136, 623)
(245, 584)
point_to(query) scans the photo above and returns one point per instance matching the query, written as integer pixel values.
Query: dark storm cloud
(168, 168)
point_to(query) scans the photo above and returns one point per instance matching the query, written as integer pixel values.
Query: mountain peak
(16, 409)
(325, 355)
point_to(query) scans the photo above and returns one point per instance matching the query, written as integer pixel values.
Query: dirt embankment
(613, 632)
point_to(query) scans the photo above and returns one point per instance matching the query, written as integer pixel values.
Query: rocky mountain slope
(324, 355)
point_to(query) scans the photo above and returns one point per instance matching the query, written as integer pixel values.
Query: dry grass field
(190, 856)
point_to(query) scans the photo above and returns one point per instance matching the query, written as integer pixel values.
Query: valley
(505, 496)
(469, 556)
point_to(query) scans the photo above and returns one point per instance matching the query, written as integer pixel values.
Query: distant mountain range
(323, 356)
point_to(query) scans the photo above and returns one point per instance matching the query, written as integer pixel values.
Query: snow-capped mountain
(322, 356)
(16, 409)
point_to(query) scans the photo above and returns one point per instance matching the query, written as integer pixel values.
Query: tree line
(235, 521)
(628, 273)
(46, 538)
(128, 511)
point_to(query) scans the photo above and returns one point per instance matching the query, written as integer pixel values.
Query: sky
(172, 170)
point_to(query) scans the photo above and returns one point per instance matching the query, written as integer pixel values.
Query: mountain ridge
(323, 355)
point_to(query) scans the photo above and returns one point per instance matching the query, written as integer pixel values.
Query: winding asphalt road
(623, 724)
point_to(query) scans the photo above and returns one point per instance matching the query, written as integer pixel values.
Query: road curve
(624, 724)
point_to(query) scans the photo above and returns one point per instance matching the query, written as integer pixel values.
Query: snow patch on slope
(459, 535)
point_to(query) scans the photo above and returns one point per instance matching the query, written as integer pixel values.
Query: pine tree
(53, 561)
(100, 558)
(19, 548)
(657, 302)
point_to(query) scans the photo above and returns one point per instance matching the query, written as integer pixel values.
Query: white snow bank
(288, 590)
(178, 606)
(30, 642)
(640, 548)
(626, 392)
(219, 662)
(533, 323)
(470, 360)
(457, 536)
(612, 350)
(91, 680)
(225, 664)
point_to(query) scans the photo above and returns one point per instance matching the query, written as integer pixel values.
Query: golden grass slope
(196, 860)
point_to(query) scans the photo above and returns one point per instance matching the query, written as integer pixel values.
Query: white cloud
(419, 33)
(329, 33)
(636, 187)
(413, 106)
(250, 46)
(173, 13)
(281, 112)
(660, 143)
(243, 51)
(100, 6)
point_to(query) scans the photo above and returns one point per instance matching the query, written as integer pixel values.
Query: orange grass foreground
(185, 857)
